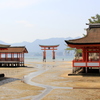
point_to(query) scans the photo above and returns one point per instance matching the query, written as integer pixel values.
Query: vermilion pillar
(44, 55)
(0, 56)
(53, 54)
(6, 56)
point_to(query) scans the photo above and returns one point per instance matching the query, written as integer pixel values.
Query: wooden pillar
(73, 71)
(22, 59)
(6, 56)
(17, 56)
(20, 56)
(19, 59)
(86, 69)
(99, 69)
(53, 54)
(0, 56)
(12, 56)
(44, 55)
(83, 54)
(99, 59)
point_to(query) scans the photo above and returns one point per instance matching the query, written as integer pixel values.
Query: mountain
(1, 42)
(34, 46)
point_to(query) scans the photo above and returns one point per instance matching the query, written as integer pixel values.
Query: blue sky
(28, 20)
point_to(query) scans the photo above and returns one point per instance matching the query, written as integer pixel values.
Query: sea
(32, 58)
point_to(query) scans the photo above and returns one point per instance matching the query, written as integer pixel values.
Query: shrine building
(90, 45)
(12, 55)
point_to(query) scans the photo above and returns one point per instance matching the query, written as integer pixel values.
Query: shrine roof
(4, 46)
(15, 49)
(48, 45)
(94, 25)
(92, 37)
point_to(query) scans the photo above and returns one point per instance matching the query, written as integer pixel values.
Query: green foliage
(69, 49)
(77, 51)
(95, 19)
(84, 35)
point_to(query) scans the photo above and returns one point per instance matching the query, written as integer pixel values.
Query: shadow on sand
(5, 80)
(91, 73)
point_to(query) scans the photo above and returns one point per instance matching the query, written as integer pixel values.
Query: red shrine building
(90, 45)
(12, 55)
(48, 47)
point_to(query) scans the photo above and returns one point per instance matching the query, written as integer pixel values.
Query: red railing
(12, 59)
(81, 63)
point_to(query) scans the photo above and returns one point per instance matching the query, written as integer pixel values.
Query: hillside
(34, 46)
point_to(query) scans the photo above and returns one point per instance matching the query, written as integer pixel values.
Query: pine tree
(95, 19)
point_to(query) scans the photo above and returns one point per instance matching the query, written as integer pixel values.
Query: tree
(95, 19)
(78, 52)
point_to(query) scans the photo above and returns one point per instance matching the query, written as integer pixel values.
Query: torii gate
(48, 47)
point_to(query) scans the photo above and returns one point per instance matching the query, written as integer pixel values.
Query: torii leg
(53, 54)
(44, 55)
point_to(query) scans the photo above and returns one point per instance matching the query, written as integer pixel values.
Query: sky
(28, 20)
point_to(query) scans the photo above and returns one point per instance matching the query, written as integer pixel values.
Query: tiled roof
(92, 37)
(4, 46)
(19, 49)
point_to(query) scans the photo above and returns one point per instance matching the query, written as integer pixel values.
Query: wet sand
(83, 88)
(50, 81)
(13, 87)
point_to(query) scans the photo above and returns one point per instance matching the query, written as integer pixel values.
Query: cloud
(17, 3)
(25, 23)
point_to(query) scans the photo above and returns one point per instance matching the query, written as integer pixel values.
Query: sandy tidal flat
(56, 78)
(14, 88)
(83, 88)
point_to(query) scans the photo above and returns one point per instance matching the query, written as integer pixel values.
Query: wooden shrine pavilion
(90, 45)
(12, 55)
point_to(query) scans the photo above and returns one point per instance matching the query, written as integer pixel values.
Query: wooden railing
(12, 59)
(81, 63)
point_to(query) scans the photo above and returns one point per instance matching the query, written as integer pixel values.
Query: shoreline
(56, 75)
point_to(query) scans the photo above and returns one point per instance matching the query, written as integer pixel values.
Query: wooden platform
(11, 63)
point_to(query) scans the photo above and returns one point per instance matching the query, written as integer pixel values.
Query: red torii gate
(48, 47)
